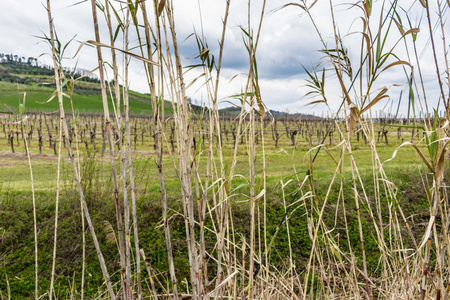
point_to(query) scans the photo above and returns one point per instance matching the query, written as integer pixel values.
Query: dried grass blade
(291, 4)
(161, 5)
(400, 62)
(423, 158)
(412, 30)
(427, 232)
(381, 95)
(441, 163)
(221, 284)
(123, 51)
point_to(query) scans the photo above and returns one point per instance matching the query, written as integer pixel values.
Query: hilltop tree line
(12, 65)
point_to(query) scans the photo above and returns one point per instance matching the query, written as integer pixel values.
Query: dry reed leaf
(331, 155)
(283, 185)
(52, 97)
(395, 152)
(110, 235)
(232, 78)
(423, 158)
(412, 30)
(314, 3)
(194, 80)
(118, 49)
(389, 183)
(441, 163)
(368, 7)
(399, 26)
(263, 191)
(353, 108)
(341, 82)
(314, 148)
(123, 51)
(369, 47)
(427, 232)
(400, 62)
(161, 5)
(87, 74)
(262, 110)
(237, 106)
(444, 121)
(292, 4)
(314, 102)
(141, 251)
(222, 283)
(353, 118)
(381, 95)
(339, 145)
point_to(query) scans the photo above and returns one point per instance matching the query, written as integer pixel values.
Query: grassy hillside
(17, 79)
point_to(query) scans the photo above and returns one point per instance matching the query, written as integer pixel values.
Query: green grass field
(282, 166)
(37, 96)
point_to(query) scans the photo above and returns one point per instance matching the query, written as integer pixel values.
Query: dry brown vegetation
(231, 254)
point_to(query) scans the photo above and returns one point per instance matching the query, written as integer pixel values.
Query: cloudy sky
(288, 41)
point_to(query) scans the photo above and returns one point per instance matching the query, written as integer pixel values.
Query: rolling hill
(37, 84)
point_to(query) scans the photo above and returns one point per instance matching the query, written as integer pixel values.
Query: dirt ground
(9, 159)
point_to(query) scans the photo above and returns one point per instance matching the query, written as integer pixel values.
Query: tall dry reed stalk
(119, 218)
(72, 157)
(158, 115)
(35, 231)
(55, 238)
